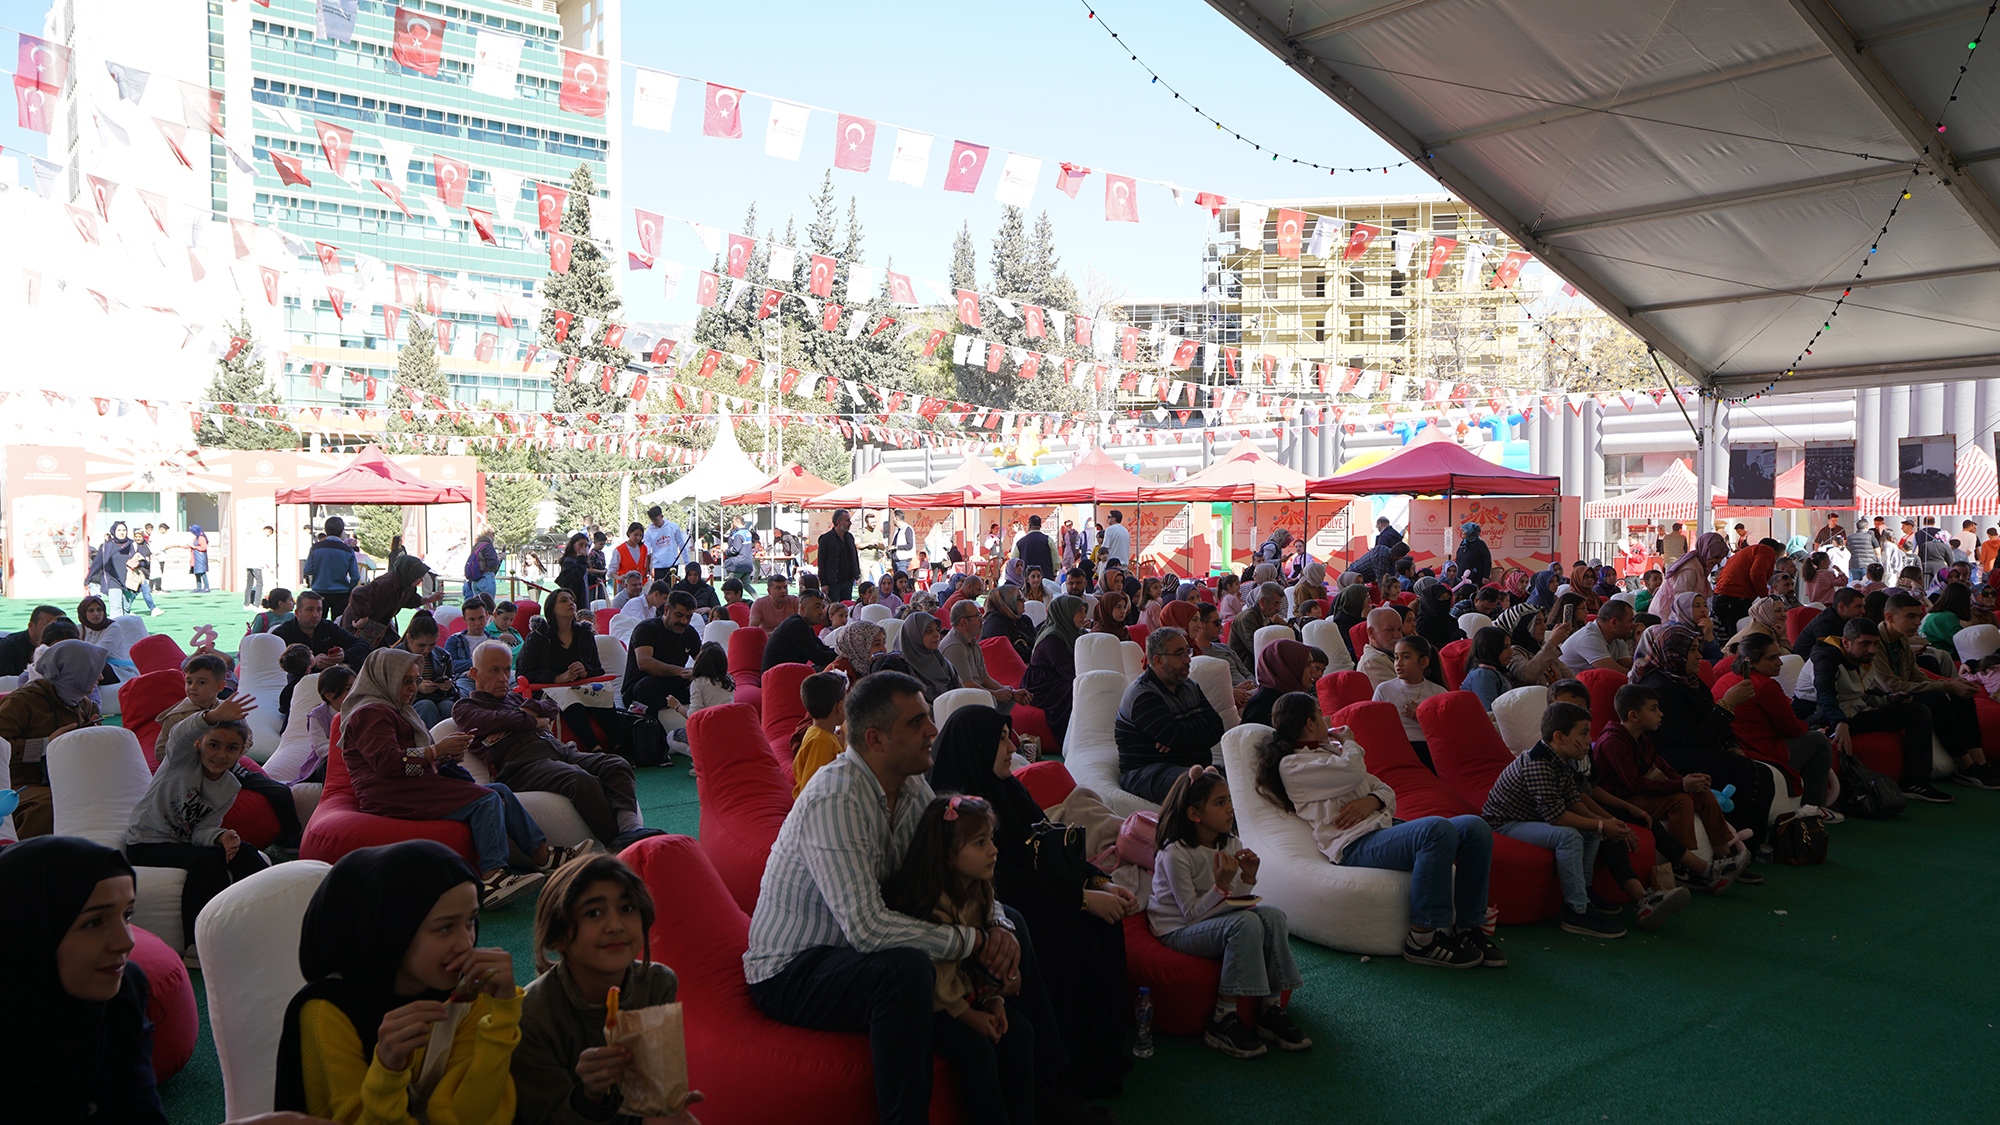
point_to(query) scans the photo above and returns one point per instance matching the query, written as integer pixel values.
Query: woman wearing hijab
(384, 941)
(1005, 619)
(1051, 674)
(111, 566)
(96, 627)
(1312, 584)
(378, 601)
(858, 645)
(1689, 573)
(1350, 608)
(1767, 618)
(1536, 649)
(1284, 666)
(918, 641)
(198, 559)
(1110, 615)
(573, 569)
(1698, 735)
(1691, 610)
(56, 702)
(78, 1046)
(1075, 925)
(1542, 587)
(1434, 620)
(1475, 559)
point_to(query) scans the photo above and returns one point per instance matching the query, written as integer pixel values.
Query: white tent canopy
(1709, 175)
(721, 471)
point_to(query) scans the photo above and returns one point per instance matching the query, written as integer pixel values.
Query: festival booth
(372, 478)
(1098, 480)
(790, 486)
(724, 467)
(1263, 494)
(1978, 493)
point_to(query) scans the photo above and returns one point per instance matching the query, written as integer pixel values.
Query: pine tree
(587, 290)
(512, 505)
(1024, 273)
(417, 366)
(964, 259)
(242, 380)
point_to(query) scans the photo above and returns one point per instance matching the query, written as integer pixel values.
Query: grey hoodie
(182, 806)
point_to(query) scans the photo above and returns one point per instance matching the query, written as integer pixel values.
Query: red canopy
(1096, 479)
(1436, 468)
(973, 484)
(791, 485)
(371, 478)
(871, 489)
(1244, 475)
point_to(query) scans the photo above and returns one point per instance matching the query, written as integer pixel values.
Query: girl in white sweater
(1418, 677)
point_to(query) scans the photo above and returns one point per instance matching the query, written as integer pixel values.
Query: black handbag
(1058, 850)
(1799, 841)
(1868, 794)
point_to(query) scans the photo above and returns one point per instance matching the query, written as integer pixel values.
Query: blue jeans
(433, 711)
(1431, 848)
(488, 585)
(1253, 945)
(1576, 855)
(495, 819)
(146, 592)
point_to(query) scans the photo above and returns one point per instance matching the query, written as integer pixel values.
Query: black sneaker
(1489, 952)
(1656, 908)
(1925, 791)
(1605, 905)
(1275, 1023)
(1591, 924)
(1229, 1036)
(1444, 950)
(1973, 777)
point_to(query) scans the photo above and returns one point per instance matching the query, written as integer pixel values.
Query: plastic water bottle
(1143, 1012)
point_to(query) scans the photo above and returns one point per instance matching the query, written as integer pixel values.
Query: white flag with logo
(787, 133)
(860, 283)
(912, 159)
(653, 99)
(783, 260)
(1017, 180)
(496, 60)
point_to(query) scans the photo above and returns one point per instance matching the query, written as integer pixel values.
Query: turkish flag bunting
(649, 225)
(832, 385)
(1121, 203)
(419, 42)
(1357, 243)
(1128, 345)
(409, 285)
(853, 143)
(290, 171)
(336, 142)
(995, 351)
(663, 350)
(789, 380)
(709, 363)
(585, 78)
(882, 325)
(739, 254)
(560, 246)
(42, 63)
(820, 282)
(932, 341)
(1070, 178)
(451, 176)
(444, 330)
(900, 291)
(1083, 324)
(1184, 355)
(1229, 360)
(562, 319)
(722, 112)
(549, 204)
(569, 369)
(614, 335)
(769, 304)
(830, 319)
(84, 221)
(706, 290)
(395, 195)
(1269, 363)
(748, 373)
(1035, 328)
(236, 346)
(968, 308)
(270, 278)
(1510, 270)
(503, 311)
(604, 384)
(156, 206)
(639, 389)
(175, 135)
(967, 162)
(482, 224)
(318, 375)
(339, 300)
(329, 258)
(1291, 226)
(392, 321)
(1441, 248)
(1323, 372)
(201, 107)
(1215, 203)
(433, 293)
(1030, 366)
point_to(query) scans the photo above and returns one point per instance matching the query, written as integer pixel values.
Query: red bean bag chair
(746, 665)
(1405, 598)
(744, 794)
(338, 825)
(1451, 661)
(752, 1069)
(1184, 986)
(739, 612)
(141, 699)
(1881, 751)
(1139, 633)
(1343, 689)
(1226, 626)
(603, 618)
(1707, 672)
(451, 629)
(1357, 636)
(524, 614)
(1003, 663)
(1796, 621)
(1049, 783)
(169, 1003)
(783, 710)
(157, 652)
(1603, 684)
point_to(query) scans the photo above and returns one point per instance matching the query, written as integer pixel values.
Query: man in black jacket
(839, 559)
(17, 650)
(329, 643)
(1034, 550)
(796, 639)
(1165, 724)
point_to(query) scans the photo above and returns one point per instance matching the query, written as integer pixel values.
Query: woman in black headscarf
(1076, 926)
(76, 1046)
(372, 965)
(1434, 620)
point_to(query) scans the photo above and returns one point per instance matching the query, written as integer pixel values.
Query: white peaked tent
(720, 472)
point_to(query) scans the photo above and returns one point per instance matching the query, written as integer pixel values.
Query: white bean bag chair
(1518, 716)
(9, 683)
(1265, 636)
(96, 777)
(956, 698)
(1037, 612)
(444, 614)
(599, 603)
(1211, 675)
(717, 633)
(1470, 623)
(295, 746)
(1132, 657)
(258, 676)
(257, 920)
(628, 619)
(611, 654)
(1352, 909)
(1098, 652)
(7, 833)
(1090, 750)
(1977, 642)
(551, 812)
(1792, 666)
(877, 613)
(120, 634)
(1325, 636)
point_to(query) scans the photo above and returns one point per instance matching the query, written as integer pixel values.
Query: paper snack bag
(656, 1083)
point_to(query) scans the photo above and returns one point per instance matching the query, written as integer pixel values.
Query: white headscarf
(381, 683)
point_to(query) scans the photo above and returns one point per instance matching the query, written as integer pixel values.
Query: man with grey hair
(1378, 656)
(1165, 722)
(1268, 609)
(512, 737)
(961, 647)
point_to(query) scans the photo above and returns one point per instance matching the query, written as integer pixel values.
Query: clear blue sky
(1034, 76)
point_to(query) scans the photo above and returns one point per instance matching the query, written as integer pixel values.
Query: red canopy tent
(1792, 491)
(875, 488)
(1436, 468)
(1669, 496)
(1244, 475)
(974, 484)
(371, 478)
(1096, 479)
(790, 485)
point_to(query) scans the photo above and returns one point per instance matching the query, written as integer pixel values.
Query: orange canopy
(1245, 474)
(791, 485)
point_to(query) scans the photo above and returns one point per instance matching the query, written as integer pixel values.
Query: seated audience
(1418, 678)
(1378, 656)
(1489, 666)
(560, 649)
(1005, 618)
(697, 587)
(1109, 616)
(1604, 642)
(17, 650)
(1165, 724)
(658, 683)
(1051, 674)
(796, 639)
(1628, 769)
(961, 648)
(56, 703)
(1954, 718)
(1767, 727)
(1285, 666)
(1269, 609)
(817, 741)
(205, 678)
(918, 642)
(278, 605)
(770, 611)
(1698, 735)
(330, 644)
(333, 687)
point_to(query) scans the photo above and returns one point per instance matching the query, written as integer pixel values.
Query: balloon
(9, 801)
(1726, 799)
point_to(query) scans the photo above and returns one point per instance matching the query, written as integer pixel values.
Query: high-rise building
(276, 75)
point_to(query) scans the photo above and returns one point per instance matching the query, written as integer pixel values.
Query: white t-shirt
(1406, 697)
(1587, 646)
(1118, 543)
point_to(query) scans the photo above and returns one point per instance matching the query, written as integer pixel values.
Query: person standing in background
(332, 568)
(666, 544)
(1117, 540)
(902, 541)
(142, 567)
(198, 559)
(1673, 545)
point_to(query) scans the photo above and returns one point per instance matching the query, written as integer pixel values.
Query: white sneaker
(497, 892)
(560, 856)
(191, 958)
(157, 611)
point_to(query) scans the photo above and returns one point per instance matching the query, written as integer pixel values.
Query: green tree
(417, 366)
(1025, 272)
(243, 380)
(379, 523)
(587, 290)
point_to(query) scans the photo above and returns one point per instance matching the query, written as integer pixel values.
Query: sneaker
(1605, 905)
(1925, 791)
(559, 856)
(505, 887)
(1833, 816)
(1972, 777)
(1748, 877)
(1656, 908)
(1444, 950)
(1489, 951)
(1275, 1023)
(1989, 771)
(191, 959)
(1591, 924)
(1723, 870)
(157, 611)
(1229, 1036)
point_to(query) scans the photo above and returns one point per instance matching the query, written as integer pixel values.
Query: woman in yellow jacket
(387, 942)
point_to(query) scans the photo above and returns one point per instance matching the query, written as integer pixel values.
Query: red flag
(482, 224)
(433, 293)
(1215, 203)
(769, 304)
(101, 191)
(329, 258)
(1357, 243)
(1128, 345)
(789, 381)
(560, 246)
(419, 42)
(1441, 248)
(1510, 270)
(156, 206)
(1291, 225)
(853, 143)
(584, 80)
(319, 376)
(43, 63)
(451, 177)
(395, 195)
(409, 285)
(444, 330)
(290, 171)
(900, 291)
(1324, 371)
(1030, 366)
(1269, 363)
(967, 162)
(563, 320)
(1083, 331)
(1070, 178)
(549, 204)
(707, 290)
(1229, 360)
(721, 112)
(739, 254)
(830, 319)
(569, 369)
(933, 340)
(336, 142)
(270, 279)
(503, 310)
(968, 308)
(882, 326)
(84, 221)
(820, 282)
(236, 346)
(1184, 355)
(649, 225)
(639, 388)
(604, 384)
(1121, 205)
(748, 373)
(175, 135)
(392, 322)
(663, 350)
(1035, 327)
(614, 335)
(832, 385)
(995, 352)
(339, 300)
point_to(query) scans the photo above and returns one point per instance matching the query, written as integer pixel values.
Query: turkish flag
(789, 381)
(236, 346)
(820, 282)
(569, 369)
(995, 352)
(563, 320)
(706, 292)
(1357, 243)
(395, 195)
(175, 135)
(201, 106)
(503, 311)
(336, 142)
(830, 320)
(933, 340)
(614, 335)
(1269, 363)
(1128, 345)
(560, 246)
(1030, 366)
(1184, 355)
(1120, 202)
(585, 78)
(101, 191)
(663, 350)
(549, 204)
(853, 143)
(1291, 226)
(156, 206)
(1229, 361)
(649, 226)
(1510, 270)
(1071, 178)
(968, 308)
(639, 389)
(270, 279)
(339, 300)
(84, 221)
(709, 362)
(433, 293)
(722, 112)
(769, 304)
(482, 222)
(34, 106)
(329, 258)
(739, 254)
(290, 171)
(1441, 248)
(900, 291)
(43, 63)
(451, 176)
(392, 322)
(419, 42)
(748, 373)
(967, 162)
(409, 285)
(1083, 324)
(1036, 328)
(487, 342)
